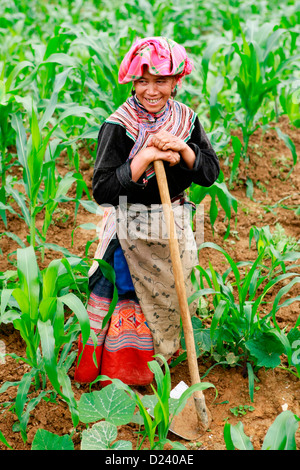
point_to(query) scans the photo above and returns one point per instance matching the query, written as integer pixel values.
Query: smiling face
(153, 91)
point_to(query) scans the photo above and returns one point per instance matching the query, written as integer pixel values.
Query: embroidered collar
(144, 115)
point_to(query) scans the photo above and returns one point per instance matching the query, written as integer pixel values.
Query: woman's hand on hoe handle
(165, 141)
(162, 146)
(148, 155)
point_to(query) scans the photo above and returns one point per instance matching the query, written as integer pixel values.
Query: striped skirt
(146, 318)
(125, 345)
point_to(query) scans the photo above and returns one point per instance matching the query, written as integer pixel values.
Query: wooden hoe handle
(181, 291)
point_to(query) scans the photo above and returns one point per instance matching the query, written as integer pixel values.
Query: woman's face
(153, 91)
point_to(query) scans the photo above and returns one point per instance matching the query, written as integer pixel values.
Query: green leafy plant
(158, 410)
(36, 307)
(10, 99)
(283, 251)
(241, 410)
(280, 435)
(4, 441)
(37, 154)
(252, 86)
(238, 325)
(218, 192)
(116, 404)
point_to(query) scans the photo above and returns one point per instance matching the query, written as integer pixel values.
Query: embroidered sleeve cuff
(123, 173)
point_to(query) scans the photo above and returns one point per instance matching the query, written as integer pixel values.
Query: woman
(150, 125)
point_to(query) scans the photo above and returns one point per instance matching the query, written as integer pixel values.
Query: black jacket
(112, 173)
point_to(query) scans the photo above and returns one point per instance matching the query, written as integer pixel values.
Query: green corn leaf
(163, 382)
(50, 277)
(63, 186)
(21, 141)
(15, 72)
(281, 434)
(60, 81)
(201, 293)
(213, 211)
(29, 278)
(20, 200)
(109, 272)
(181, 401)
(21, 398)
(29, 408)
(48, 351)
(24, 326)
(271, 42)
(47, 308)
(239, 439)
(161, 416)
(251, 381)
(222, 309)
(23, 300)
(281, 336)
(79, 310)
(250, 278)
(35, 136)
(68, 394)
(4, 441)
(229, 259)
(227, 436)
(207, 55)
(278, 296)
(62, 59)
(150, 426)
(237, 147)
(289, 143)
(58, 322)
(5, 297)
(156, 369)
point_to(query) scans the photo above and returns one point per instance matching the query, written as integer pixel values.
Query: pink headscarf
(162, 56)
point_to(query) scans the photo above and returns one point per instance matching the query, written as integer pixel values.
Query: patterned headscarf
(160, 55)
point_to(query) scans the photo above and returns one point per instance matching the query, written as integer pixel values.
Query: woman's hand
(165, 141)
(162, 146)
(170, 156)
(146, 156)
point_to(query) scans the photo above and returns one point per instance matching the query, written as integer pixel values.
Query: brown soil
(270, 161)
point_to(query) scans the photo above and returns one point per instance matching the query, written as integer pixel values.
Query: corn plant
(289, 100)
(9, 99)
(282, 251)
(36, 307)
(218, 192)
(158, 410)
(243, 75)
(280, 435)
(101, 76)
(252, 88)
(240, 332)
(117, 402)
(37, 155)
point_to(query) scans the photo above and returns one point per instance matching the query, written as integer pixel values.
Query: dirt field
(269, 165)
